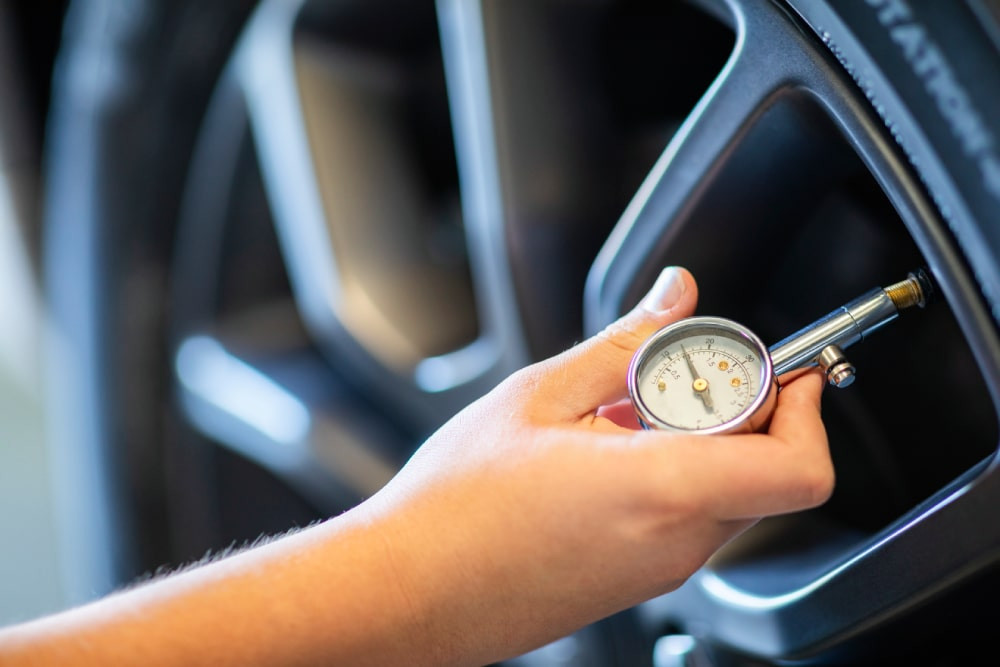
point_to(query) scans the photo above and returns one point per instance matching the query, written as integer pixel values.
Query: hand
(540, 508)
(535, 511)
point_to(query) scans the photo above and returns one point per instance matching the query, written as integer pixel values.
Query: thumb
(593, 373)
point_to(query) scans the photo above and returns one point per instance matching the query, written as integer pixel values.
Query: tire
(109, 229)
(191, 225)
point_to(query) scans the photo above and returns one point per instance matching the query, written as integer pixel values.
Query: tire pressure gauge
(708, 375)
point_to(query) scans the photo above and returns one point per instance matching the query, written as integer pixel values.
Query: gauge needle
(700, 384)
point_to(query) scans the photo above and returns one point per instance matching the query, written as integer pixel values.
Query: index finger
(798, 413)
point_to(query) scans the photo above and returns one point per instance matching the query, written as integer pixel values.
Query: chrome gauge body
(708, 375)
(704, 375)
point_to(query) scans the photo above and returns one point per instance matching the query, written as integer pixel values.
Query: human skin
(536, 510)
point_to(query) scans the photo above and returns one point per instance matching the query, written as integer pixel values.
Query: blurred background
(31, 580)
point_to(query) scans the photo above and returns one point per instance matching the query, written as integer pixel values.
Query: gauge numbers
(698, 375)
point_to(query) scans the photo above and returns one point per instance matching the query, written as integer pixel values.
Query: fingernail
(666, 291)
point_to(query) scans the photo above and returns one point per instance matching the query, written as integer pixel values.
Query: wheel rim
(781, 90)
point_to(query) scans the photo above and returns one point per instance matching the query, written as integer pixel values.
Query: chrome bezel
(753, 417)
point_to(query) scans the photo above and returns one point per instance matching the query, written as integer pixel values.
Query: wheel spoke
(419, 333)
(314, 435)
(662, 206)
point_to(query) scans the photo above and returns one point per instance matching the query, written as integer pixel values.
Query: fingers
(593, 373)
(799, 403)
(621, 414)
(732, 477)
(788, 469)
(737, 477)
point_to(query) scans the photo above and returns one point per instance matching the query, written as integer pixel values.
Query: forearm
(326, 595)
(440, 575)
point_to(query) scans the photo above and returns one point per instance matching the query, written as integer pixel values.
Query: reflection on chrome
(673, 650)
(227, 383)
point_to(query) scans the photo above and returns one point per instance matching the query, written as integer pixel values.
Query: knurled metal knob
(839, 371)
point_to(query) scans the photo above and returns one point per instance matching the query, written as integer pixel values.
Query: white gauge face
(699, 374)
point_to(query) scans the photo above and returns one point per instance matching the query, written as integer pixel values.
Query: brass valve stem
(907, 293)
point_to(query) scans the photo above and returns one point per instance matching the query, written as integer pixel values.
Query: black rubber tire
(937, 93)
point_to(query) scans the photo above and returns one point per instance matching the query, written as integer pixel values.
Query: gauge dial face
(699, 374)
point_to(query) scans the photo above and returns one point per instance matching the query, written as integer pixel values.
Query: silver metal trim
(753, 416)
(843, 327)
